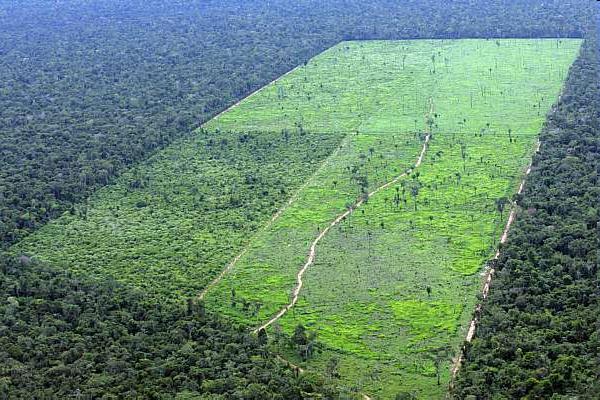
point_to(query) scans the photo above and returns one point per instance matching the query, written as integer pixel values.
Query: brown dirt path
(313, 247)
(490, 273)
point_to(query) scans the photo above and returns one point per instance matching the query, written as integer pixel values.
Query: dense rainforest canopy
(64, 337)
(89, 89)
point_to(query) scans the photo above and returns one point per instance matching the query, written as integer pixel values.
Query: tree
(299, 337)
(439, 356)
(262, 337)
(500, 205)
(414, 190)
(463, 154)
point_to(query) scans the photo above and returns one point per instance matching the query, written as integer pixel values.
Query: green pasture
(367, 295)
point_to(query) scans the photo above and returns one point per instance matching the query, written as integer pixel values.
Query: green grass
(366, 295)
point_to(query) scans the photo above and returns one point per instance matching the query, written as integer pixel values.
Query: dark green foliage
(90, 88)
(63, 337)
(539, 334)
(299, 336)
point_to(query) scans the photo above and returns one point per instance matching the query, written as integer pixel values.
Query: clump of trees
(62, 336)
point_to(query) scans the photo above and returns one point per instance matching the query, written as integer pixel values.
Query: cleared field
(394, 285)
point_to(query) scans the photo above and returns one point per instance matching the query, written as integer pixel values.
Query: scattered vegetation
(171, 224)
(394, 284)
(539, 332)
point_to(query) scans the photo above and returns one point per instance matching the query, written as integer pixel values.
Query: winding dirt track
(312, 252)
(488, 277)
(313, 248)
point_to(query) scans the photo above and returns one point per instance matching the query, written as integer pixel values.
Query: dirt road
(313, 247)
(490, 273)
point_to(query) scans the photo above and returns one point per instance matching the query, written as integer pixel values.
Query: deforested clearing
(393, 285)
(393, 162)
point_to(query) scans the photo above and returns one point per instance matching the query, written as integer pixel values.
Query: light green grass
(366, 294)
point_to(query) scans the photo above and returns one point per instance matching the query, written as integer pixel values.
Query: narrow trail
(490, 273)
(270, 222)
(313, 247)
(489, 276)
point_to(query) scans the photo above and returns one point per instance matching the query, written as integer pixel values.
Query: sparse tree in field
(305, 344)
(438, 357)
(428, 288)
(299, 337)
(414, 191)
(458, 177)
(331, 369)
(501, 205)
(233, 298)
(397, 197)
(463, 154)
